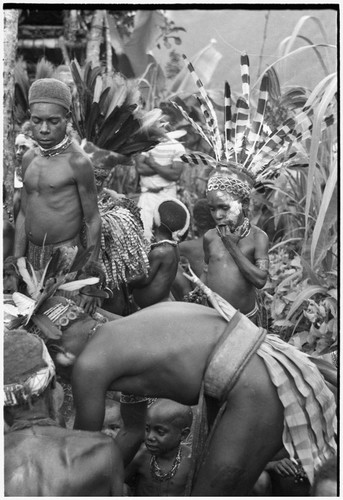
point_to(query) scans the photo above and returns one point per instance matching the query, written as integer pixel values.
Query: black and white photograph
(170, 249)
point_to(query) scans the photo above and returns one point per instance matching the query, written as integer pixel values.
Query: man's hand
(88, 303)
(284, 467)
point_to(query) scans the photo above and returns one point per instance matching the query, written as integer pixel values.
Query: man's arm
(20, 239)
(170, 172)
(257, 272)
(132, 433)
(142, 166)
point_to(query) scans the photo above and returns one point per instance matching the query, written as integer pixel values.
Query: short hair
(181, 415)
(202, 215)
(174, 216)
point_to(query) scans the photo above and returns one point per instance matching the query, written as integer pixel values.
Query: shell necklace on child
(158, 474)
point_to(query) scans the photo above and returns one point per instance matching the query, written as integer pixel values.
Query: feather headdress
(245, 150)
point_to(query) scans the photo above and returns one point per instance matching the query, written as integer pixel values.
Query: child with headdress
(170, 225)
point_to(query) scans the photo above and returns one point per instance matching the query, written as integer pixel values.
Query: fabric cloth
(310, 421)
(28, 367)
(155, 188)
(39, 256)
(50, 90)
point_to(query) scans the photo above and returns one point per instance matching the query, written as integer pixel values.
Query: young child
(236, 253)
(162, 465)
(170, 225)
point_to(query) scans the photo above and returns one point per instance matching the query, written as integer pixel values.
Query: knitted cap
(51, 91)
(28, 367)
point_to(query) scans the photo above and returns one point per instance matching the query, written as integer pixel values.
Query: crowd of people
(207, 406)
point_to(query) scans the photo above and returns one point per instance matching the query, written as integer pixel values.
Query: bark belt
(238, 343)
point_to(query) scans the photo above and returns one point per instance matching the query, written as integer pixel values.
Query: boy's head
(202, 216)
(167, 424)
(172, 218)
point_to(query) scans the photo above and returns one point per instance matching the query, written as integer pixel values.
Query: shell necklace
(156, 472)
(56, 150)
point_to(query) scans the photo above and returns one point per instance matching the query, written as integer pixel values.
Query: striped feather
(271, 146)
(227, 120)
(307, 134)
(197, 127)
(245, 74)
(208, 111)
(241, 124)
(198, 158)
(254, 135)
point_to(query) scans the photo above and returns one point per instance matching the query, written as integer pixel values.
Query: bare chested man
(41, 457)
(59, 192)
(168, 350)
(236, 253)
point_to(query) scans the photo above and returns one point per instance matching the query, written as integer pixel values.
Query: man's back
(53, 461)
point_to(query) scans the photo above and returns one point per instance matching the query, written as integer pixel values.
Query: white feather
(75, 285)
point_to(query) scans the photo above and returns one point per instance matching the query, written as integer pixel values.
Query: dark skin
(164, 433)
(162, 351)
(58, 192)
(49, 460)
(233, 269)
(163, 260)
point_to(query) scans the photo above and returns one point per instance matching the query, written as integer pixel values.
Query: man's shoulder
(78, 157)
(258, 232)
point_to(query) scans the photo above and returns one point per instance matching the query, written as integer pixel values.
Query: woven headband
(34, 385)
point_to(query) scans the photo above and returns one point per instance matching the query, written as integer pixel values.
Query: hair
(326, 472)
(202, 216)
(174, 217)
(180, 415)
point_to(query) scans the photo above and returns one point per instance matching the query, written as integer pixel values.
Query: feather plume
(227, 120)
(196, 127)
(271, 146)
(71, 286)
(254, 135)
(245, 75)
(208, 111)
(198, 158)
(242, 121)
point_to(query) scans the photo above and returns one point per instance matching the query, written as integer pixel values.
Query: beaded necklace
(56, 150)
(157, 473)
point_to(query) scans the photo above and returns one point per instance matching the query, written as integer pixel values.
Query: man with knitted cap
(170, 225)
(235, 252)
(42, 458)
(59, 194)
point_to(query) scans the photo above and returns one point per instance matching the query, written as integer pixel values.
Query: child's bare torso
(147, 485)
(224, 276)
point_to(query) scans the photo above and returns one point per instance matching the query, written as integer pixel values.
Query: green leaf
(304, 295)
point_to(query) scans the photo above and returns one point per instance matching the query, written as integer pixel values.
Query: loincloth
(310, 420)
(39, 256)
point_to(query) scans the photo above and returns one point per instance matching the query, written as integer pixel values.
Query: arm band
(262, 264)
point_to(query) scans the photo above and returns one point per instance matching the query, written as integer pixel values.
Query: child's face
(161, 435)
(226, 209)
